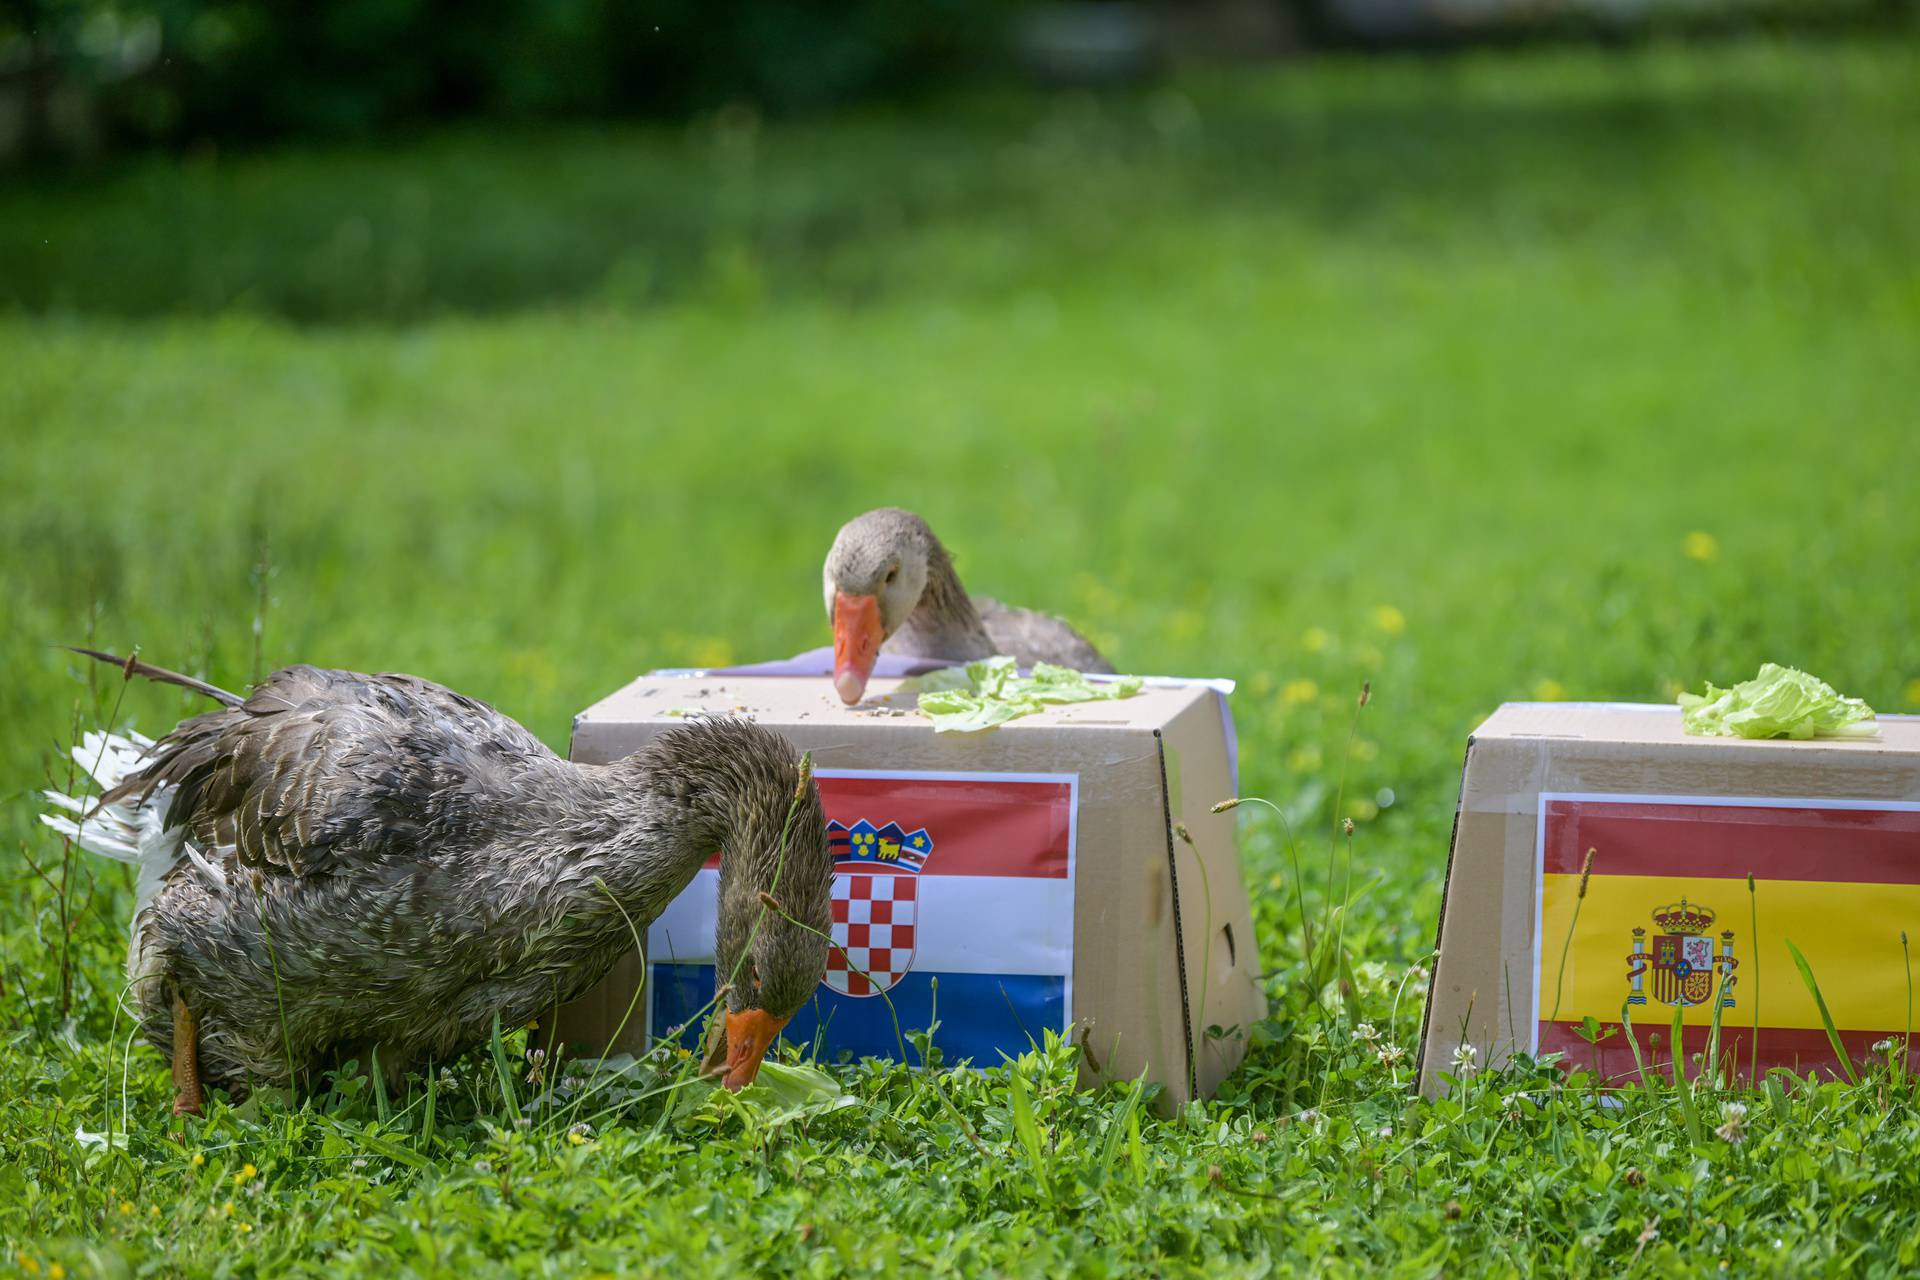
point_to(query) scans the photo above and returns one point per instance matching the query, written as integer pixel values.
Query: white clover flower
(1390, 1054)
(1883, 1046)
(1463, 1060)
(1365, 1033)
(1734, 1130)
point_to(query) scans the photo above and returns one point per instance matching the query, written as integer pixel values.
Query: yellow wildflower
(1913, 693)
(28, 1263)
(1294, 692)
(577, 1138)
(1701, 545)
(1304, 759)
(1547, 689)
(227, 1209)
(197, 1160)
(246, 1171)
(1314, 639)
(1389, 619)
(55, 1271)
(243, 1227)
(712, 651)
(126, 1207)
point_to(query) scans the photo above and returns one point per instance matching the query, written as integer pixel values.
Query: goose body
(395, 865)
(890, 587)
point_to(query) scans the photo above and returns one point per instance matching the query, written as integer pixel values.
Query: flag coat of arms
(952, 901)
(1665, 903)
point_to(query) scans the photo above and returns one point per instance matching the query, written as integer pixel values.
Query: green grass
(1414, 372)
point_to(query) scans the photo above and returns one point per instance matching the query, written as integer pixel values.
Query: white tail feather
(131, 830)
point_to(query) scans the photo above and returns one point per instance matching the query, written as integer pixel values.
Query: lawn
(1548, 374)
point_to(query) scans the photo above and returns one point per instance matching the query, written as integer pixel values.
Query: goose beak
(750, 1033)
(856, 643)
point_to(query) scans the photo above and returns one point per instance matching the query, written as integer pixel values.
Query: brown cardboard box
(1828, 829)
(1153, 962)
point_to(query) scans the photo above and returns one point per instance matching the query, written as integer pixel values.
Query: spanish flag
(1649, 904)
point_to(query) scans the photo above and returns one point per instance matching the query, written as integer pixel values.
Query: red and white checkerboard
(873, 928)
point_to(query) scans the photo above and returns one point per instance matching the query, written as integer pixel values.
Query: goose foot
(188, 1097)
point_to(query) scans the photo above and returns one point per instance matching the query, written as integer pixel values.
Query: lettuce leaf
(1780, 702)
(992, 691)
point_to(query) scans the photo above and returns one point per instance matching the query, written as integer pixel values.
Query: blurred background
(81, 76)
(1483, 349)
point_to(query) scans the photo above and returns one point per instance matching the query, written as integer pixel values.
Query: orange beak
(750, 1034)
(856, 643)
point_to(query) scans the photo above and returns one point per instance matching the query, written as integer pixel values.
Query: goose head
(874, 578)
(776, 879)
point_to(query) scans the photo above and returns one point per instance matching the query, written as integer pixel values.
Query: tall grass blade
(1753, 913)
(381, 1108)
(1906, 1034)
(1826, 1019)
(429, 1113)
(1117, 1129)
(1339, 800)
(1566, 944)
(1650, 1083)
(1136, 1156)
(504, 1069)
(1681, 1088)
(1025, 1127)
(394, 1150)
(1710, 1064)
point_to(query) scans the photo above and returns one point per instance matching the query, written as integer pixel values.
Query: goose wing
(1032, 637)
(320, 771)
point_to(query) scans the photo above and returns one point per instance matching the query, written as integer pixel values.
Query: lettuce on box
(1780, 702)
(992, 691)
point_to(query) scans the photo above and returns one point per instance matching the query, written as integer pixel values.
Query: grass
(1551, 374)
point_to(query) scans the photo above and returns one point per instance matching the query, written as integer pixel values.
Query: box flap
(1655, 724)
(783, 700)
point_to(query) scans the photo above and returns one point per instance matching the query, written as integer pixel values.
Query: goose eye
(892, 574)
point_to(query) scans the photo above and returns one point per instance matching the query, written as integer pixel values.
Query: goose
(343, 863)
(890, 587)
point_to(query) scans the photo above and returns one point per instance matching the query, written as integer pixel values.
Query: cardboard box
(1829, 830)
(1031, 869)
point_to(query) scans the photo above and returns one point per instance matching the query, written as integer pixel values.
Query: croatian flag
(961, 878)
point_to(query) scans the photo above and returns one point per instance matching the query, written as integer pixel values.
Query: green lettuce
(1780, 702)
(992, 691)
